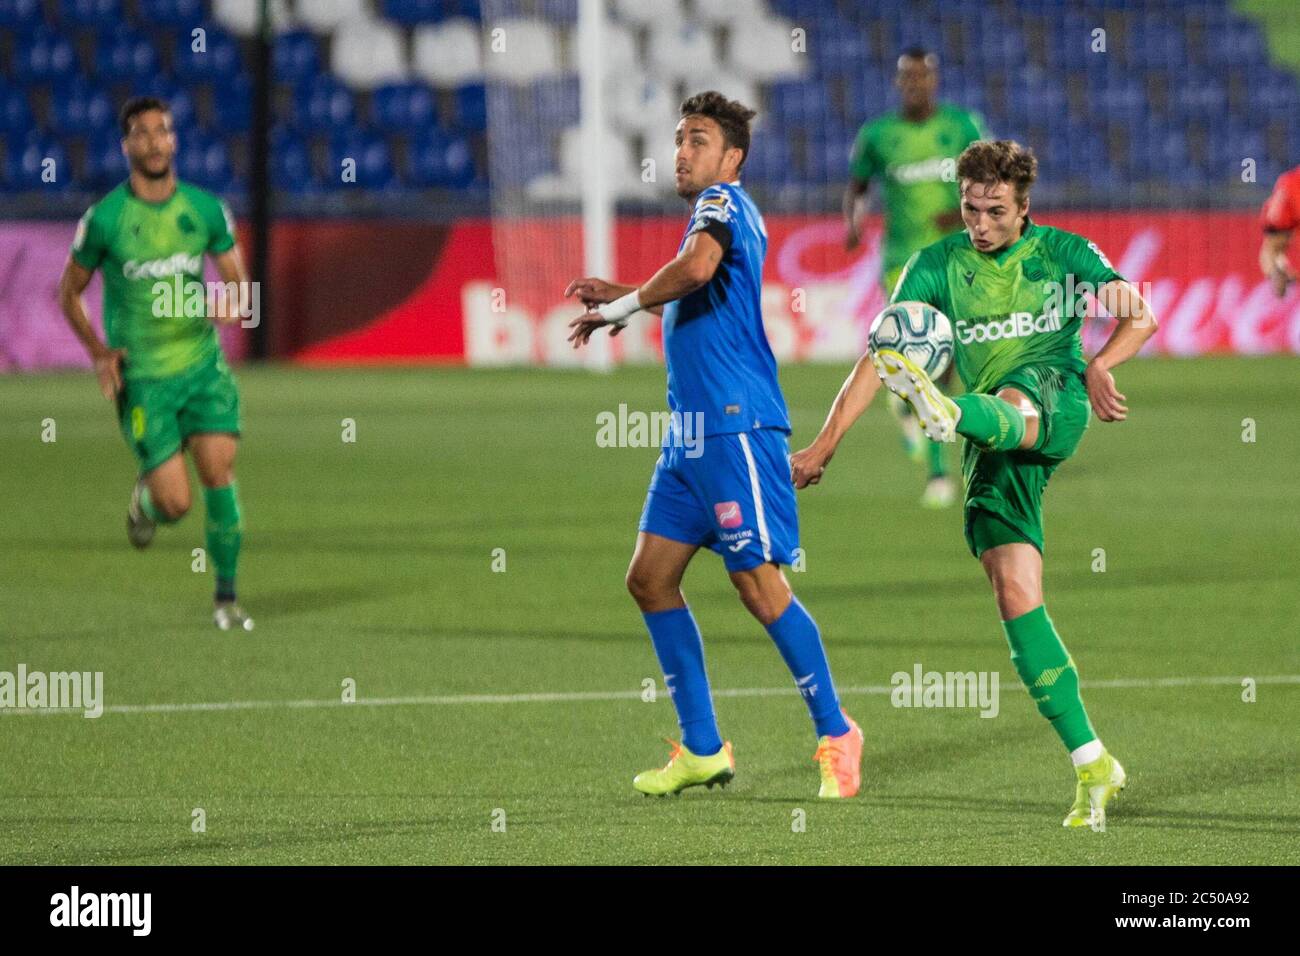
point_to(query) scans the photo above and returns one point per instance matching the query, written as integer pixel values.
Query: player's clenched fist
(108, 369)
(807, 466)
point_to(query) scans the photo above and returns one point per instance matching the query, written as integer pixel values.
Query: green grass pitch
(373, 561)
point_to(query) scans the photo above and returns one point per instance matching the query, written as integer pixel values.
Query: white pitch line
(599, 696)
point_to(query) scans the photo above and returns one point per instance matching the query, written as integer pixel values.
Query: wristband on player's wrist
(618, 311)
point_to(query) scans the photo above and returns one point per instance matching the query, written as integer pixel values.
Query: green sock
(1048, 671)
(989, 421)
(151, 512)
(934, 454)
(224, 532)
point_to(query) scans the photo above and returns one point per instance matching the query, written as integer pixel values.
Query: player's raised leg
(161, 496)
(766, 593)
(1015, 569)
(654, 580)
(214, 456)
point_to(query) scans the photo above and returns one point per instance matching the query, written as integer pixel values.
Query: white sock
(1087, 753)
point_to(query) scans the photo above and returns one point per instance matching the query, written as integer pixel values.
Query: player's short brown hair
(732, 115)
(999, 161)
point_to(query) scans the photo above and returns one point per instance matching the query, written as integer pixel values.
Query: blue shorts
(736, 498)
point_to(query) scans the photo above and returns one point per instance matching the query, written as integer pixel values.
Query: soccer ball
(919, 331)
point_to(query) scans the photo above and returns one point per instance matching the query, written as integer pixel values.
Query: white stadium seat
(638, 103)
(240, 16)
(522, 50)
(622, 167)
(449, 53)
(729, 12)
(368, 53)
(647, 12)
(730, 85)
(324, 16)
(682, 51)
(764, 50)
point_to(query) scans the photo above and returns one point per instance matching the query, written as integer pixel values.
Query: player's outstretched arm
(691, 270)
(108, 362)
(1136, 324)
(807, 466)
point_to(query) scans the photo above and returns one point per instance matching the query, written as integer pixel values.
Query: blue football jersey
(719, 361)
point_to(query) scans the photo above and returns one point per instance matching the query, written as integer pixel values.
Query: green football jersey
(1021, 306)
(147, 252)
(909, 158)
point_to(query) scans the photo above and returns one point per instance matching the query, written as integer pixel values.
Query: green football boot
(1099, 782)
(685, 769)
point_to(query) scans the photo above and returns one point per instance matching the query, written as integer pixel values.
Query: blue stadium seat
(178, 99)
(291, 165)
(28, 164)
(79, 109)
(44, 55)
(205, 162)
(558, 99)
(20, 14)
(218, 60)
(1238, 42)
(323, 104)
(471, 106)
(173, 13)
(440, 160)
(91, 13)
(104, 165)
(295, 57)
(16, 119)
(403, 108)
(371, 155)
(413, 12)
(125, 55)
(769, 162)
(233, 105)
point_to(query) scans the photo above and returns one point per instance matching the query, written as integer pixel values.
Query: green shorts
(158, 415)
(1004, 490)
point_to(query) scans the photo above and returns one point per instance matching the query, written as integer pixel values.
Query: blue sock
(676, 638)
(800, 644)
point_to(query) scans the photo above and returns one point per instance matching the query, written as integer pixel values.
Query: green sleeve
(90, 244)
(864, 164)
(221, 226)
(922, 280)
(1082, 259)
(976, 128)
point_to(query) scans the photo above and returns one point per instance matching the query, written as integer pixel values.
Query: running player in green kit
(913, 153)
(163, 364)
(1014, 292)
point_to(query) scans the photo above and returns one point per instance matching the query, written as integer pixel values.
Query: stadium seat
(640, 13)
(233, 106)
(37, 157)
(415, 12)
(680, 50)
(90, 13)
(403, 108)
(325, 16)
(323, 104)
(440, 161)
(125, 55)
(764, 50)
(205, 162)
(291, 165)
(218, 58)
(105, 165)
(172, 13)
(531, 50)
(295, 57)
(448, 53)
(638, 103)
(730, 12)
(471, 107)
(368, 53)
(15, 113)
(371, 158)
(43, 56)
(240, 17)
(80, 109)
(20, 14)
